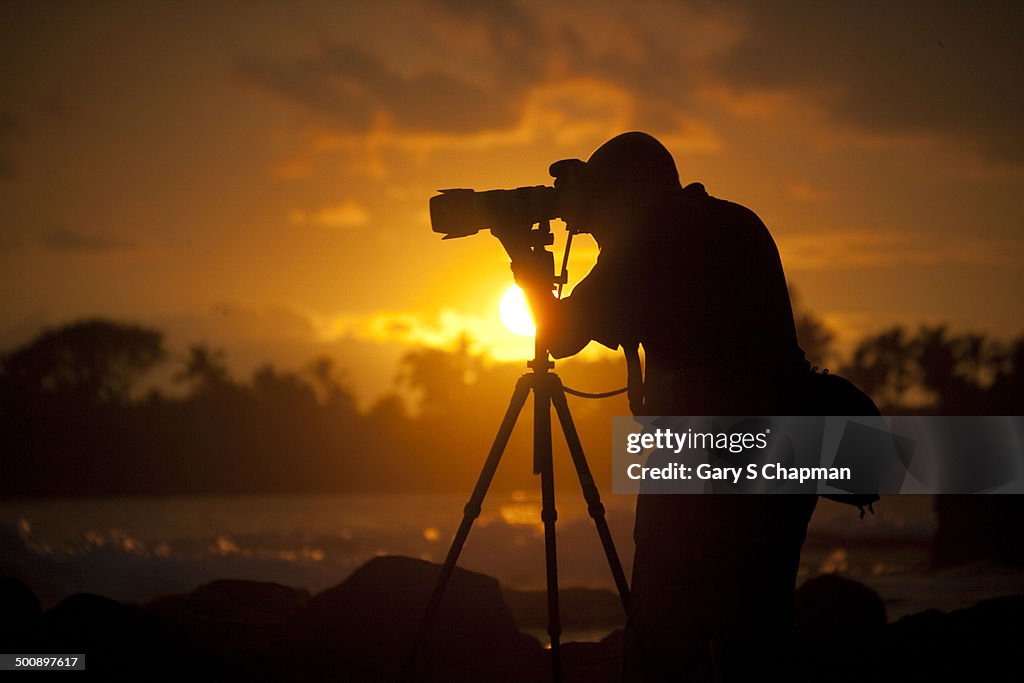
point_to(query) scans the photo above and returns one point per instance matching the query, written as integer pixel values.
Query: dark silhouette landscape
(78, 422)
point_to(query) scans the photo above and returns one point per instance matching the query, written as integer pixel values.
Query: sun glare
(515, 312)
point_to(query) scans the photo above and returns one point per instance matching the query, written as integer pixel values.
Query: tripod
(547, 390)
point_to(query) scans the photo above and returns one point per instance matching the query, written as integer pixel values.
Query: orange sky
(256, 175)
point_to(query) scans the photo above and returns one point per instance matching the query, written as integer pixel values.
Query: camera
(461, 212)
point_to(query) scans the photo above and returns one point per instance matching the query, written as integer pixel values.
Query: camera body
(461, 212)
(512, 213)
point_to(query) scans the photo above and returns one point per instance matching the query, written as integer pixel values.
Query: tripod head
(533, 265)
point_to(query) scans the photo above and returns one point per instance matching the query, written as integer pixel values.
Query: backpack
(816, 392)
(835, 395)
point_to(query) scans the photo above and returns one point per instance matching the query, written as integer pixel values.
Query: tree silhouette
(815, 339)
(883, 365)
(952, 369)
(1006, 395)
(440, 377)
(66, 406)
(92, 361)
(814, 336)
(283, 390)
(73, 421)
(331, 385)
(205, 370)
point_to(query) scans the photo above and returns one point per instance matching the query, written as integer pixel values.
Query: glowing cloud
(347, 214)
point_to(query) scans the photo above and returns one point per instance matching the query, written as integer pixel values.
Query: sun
(515, 312)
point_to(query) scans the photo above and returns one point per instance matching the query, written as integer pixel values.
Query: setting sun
(515, 312)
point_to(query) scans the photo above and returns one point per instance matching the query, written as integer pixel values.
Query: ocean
(135, 549)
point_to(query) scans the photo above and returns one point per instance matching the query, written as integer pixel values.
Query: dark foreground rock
(362, 630)
(239, 623)
(980, 643)
(581, 608)
(19, 607)
(592, 662)
(972, 528)
(120, 642)
(842, 636)
(839, 623)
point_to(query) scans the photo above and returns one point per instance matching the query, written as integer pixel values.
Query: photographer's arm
(555, 318)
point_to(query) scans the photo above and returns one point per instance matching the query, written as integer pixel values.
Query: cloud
(507, 31)
(348, 214)
(352, 89)
(65, 239)
(8, 169)
(290, 169)
(253, 335)
(855, 248)
(578, 112)
(10, 128)
(10, 241)
(655, 55)
(496, 64)
(806, 192)
(485, 332)
(410, 329)
(241, 321)
(867, 75)
(948, 69)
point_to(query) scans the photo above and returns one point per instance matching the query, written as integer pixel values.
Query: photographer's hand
(531, 276)
(534, 273)
(532, 268)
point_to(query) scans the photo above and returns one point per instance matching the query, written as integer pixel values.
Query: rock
(839, 625)
(972, 527)
(364, 628)
(978, 643)
(599, 662)
(835, 605)
(236, 621)
(121, 642)
(19, 607)
(580, 608)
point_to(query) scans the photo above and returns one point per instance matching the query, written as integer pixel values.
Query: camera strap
(634, 377)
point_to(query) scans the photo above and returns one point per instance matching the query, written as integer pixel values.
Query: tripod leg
(470, 513)
(544, 466)
(594, 505)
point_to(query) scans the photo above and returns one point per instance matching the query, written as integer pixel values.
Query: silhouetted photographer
(698, 283)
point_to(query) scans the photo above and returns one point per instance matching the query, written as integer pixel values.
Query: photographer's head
(627, 173)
